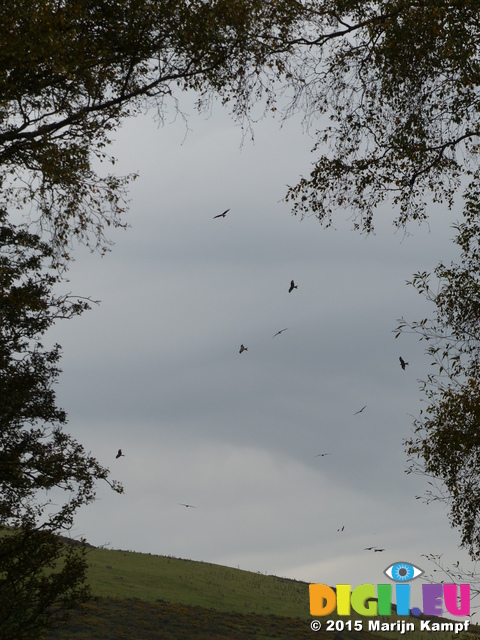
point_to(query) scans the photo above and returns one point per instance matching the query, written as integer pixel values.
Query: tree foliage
(399, 82)
(446, 444)
(395, 84)
(72, 70)
(397, 79)
(45, 475)
(41, 579)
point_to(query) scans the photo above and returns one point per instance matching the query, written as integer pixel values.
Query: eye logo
(403, 572)
(365, 600)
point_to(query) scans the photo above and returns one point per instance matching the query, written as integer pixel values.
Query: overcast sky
(156, 370)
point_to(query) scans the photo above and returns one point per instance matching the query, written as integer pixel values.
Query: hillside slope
(146, 597)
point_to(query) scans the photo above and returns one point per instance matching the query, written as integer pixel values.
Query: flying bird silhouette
(119, 454)
(242, 349)
(320, 455)
(187, 505)
(341, 528)
(292, 286)
(376, 550)
(279, 332)
(222, 215)
(360, 411)
(369, 548)
(403, 364)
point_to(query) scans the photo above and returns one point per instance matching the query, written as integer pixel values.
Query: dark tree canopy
(395, 88)
(446, 444)
(399, 81)
(39, 576)
(72, 70)
(396, 80)
(41, 579)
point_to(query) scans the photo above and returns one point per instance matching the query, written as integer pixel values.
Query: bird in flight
(369, 548)
(320, 455)
(375, 550)
(187, 505)
(403, 364)
(242, 349)
(341, 528)
(279, 332)
(292, 286)
(222, 215)
(119, 454)
(360, 410)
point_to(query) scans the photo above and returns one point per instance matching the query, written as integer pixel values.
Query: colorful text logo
(366, 600)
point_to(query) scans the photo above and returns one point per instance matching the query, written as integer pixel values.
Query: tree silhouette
(71, 72)
(446, 443)
(39, 575)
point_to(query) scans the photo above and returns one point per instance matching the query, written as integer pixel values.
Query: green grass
(145, 597)
(125, 574)
(140, 596)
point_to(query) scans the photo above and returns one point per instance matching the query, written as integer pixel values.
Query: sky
(155, 369)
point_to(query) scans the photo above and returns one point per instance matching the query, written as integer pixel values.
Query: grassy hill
(125, 574)
(147, 597)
